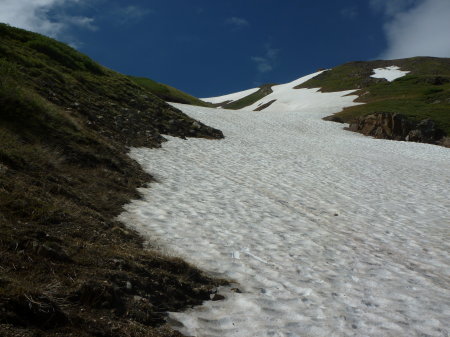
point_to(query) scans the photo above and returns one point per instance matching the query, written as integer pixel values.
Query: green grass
(356, 75)
(250, 99)
(168, 93)
(423, 93)
(36, 51)
(64, 55)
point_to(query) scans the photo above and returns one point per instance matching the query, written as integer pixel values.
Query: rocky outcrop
(395, 126)
(445, 142)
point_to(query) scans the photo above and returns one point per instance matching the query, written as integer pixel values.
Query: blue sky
(213, 47)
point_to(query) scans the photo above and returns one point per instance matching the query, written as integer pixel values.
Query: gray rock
(425, 131)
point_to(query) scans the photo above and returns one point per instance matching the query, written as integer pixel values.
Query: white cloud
(265, 63)
(237, 23)
(35, 15)
(416, 28)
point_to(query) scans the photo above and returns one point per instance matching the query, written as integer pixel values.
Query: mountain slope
(168, 93)
(68, 267)
(422, 91)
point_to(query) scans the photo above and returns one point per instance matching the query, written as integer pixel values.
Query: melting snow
(230, 97)
(327, 232)
(389, 73)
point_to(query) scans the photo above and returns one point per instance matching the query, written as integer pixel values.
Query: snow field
(326, 232)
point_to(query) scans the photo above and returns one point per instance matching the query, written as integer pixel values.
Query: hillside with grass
(263, 91)
(422, 93)
(68, 267)
(168, 93)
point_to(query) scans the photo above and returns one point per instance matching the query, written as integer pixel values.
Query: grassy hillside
(68, 268)
(423, 93)
(168, 93)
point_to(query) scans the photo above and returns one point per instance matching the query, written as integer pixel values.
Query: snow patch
(389, 73)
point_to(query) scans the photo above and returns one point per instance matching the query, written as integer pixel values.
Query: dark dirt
(266, 105)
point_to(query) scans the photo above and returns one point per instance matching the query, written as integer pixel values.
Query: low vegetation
(67, 267)
(423, 93)
(168, 93)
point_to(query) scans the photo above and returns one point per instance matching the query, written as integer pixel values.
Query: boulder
(425, 131)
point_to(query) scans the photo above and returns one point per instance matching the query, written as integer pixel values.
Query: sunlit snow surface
(287, 98)
(389, 73)
(327, 232)
(230, 97)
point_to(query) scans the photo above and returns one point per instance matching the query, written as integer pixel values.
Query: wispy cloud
(391, 7)
(415, 27)
(263, 64)
(266, 63)
(237, 23)
(130, 14)
(349, 13)
(42, 16)
(79, 21)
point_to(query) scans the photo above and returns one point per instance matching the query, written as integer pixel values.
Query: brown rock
(386, 125)
(217, 297)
